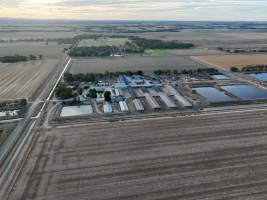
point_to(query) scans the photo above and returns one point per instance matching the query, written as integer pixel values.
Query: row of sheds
(108, 107)
(137, 103)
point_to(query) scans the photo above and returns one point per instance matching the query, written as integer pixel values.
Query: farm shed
(179, 97)
(123, 106)
(118, 92)
(152, 101)
(138, 105)
(108, 107)
(167, 100)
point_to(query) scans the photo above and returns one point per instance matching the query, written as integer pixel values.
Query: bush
(93, 93)
(234, 69)
(64, 92)
(107, 96)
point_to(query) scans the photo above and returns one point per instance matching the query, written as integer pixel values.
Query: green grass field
(153, 53)
(157, 53)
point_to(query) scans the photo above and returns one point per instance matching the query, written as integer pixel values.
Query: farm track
(201, 157)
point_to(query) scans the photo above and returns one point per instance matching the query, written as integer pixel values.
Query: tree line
(102, 51)
(250, 68)
(95, 77)
(190, 71)
(144, 44)
(242, 50)
(19, 58)
(137, 45)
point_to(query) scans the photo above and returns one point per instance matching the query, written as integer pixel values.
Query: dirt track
(207, 157)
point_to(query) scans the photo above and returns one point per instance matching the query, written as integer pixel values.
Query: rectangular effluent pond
(213, 95)
(262, 76)
(220, 77)
(70, 111)
(246, 92)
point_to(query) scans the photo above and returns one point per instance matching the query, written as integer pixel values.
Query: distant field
(103, 42)
(147, 64)
(21, 80)
(213, 38)
(182, 52)
(195, 52)
(52, 50)
(228, 61)
(36, 35)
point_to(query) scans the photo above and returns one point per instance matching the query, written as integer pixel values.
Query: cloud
(137, 9)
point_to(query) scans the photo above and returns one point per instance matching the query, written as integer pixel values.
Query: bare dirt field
(5, 130)
(228, 61)
(21, 80)
(213, 38)
(147, 64)
(205, 157)
(196, 52)
(15, 35)
(52, 50)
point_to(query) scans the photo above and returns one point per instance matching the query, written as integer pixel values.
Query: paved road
(7, 165)
(214, 157)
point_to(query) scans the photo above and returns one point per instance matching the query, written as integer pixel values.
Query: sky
(208, 10)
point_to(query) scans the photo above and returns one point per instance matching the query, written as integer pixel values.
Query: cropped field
(30, 34)
(147, 64)
(213, 38)
(103, 42)
(52, 50)
(21, 80)
(205, 157)
(228, 61)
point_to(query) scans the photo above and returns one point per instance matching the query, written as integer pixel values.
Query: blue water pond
(260, 76)
(246, 92)
(213, 95)
(220, 77)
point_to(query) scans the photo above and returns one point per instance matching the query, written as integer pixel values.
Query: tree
(68, 77)
(80, 91)
(32, 57)
(64, 92)
(140, 73)
(107, 96)
(175, 71)
(234, 69)
(93, 93)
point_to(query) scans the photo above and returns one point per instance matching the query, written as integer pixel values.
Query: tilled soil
(194, 158)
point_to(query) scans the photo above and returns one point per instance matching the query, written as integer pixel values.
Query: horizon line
(126, 20)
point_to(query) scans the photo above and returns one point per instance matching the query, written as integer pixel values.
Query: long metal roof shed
(123, 106)
(131, 92)
(107, 107)
(138, 105)
(167, 100)
(179, 97)
(152, 101)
